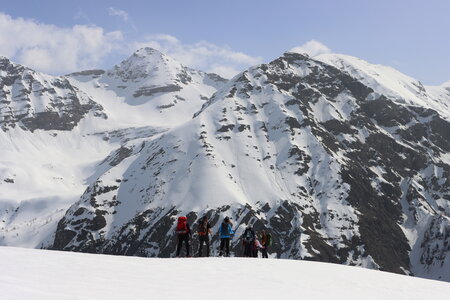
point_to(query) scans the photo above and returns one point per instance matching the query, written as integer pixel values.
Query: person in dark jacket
(225, 232)
(249, 241)
(183, 233)
(204, 229)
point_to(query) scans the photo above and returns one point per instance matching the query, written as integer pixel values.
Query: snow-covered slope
(54, 134)
(41, 174)
(44, 161)
(342, 161)
(36, 274)
(441, 94)
(389, 82)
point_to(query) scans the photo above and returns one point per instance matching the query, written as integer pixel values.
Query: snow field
(44, 274)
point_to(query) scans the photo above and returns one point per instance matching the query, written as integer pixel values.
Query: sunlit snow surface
(392, 83)
(38, 274)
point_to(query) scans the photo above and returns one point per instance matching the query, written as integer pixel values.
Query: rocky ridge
(33, 100)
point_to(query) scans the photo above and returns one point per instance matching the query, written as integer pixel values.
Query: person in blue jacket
(225, 232)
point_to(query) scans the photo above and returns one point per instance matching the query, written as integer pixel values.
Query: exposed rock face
(333, 169)
(36, 101)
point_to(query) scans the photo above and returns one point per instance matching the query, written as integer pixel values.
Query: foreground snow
(43, 274)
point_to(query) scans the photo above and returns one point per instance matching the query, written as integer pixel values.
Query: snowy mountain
(37, 274)
(342, 161)
(387, 81)
(152, 88)
(52, 141)
(33, 100)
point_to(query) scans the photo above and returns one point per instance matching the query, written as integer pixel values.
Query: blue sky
(226, 36)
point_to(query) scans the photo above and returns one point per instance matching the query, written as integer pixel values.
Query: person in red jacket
(183, 233)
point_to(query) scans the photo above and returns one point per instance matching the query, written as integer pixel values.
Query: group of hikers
(252, 243)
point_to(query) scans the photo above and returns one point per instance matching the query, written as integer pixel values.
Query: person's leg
(187, 245)
(245, 249)
(207, 246)
(222, 244)
(248, 249)
(179, 245)
(227, 246)
(200, 246)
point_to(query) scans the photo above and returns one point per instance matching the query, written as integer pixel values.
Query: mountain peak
(150, 56)
(298, 55)
(147, 51)
(147, 62)
(8, 68)
(4, 62)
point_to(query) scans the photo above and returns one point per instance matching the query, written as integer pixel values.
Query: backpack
(224, 229)
(248, 236)
(182, 225)
(269, 239)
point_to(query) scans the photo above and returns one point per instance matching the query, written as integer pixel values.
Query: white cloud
(164, 37)
(312, 48)
(81, 15)
(224, 71)
(57, 50)
(53, 49)
(202, 55)
(114, 12)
